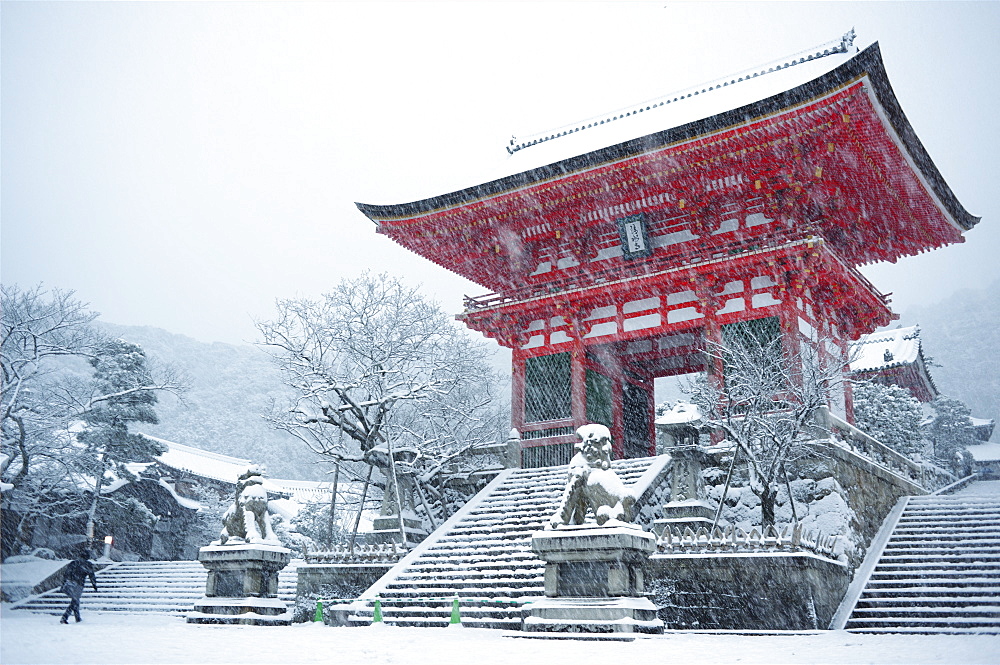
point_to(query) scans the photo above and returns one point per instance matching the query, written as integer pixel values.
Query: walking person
(75, 577)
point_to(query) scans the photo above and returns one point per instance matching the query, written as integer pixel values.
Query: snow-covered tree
(68, 395)
(313, 521)
(373, 363)
(950, 431)
(765, 400)
(38, 329)
(122, 391)
(889, 414)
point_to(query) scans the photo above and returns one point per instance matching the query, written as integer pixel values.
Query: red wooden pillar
(848, 386)
(578, 384)
(713, 337)
(788, 321)
(517, 379)
(714, 367)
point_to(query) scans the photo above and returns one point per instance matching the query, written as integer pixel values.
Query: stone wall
(835, 491)
(746, 591)
(869, 490)
(331, 581)
(338, 580)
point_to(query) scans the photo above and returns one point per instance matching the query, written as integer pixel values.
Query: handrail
(955, 486)
(379, 553)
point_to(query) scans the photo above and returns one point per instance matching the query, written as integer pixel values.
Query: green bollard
(456, 618)
(377, 616)
(318, 616)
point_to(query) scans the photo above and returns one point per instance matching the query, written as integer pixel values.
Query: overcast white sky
(182, 165)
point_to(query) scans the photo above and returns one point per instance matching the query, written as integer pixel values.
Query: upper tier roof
(887, 181)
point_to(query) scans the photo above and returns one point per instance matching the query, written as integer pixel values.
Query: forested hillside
(231, 387)
(962, 336)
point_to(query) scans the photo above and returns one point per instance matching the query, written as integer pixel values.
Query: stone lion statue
(247, 521)
(592, 485)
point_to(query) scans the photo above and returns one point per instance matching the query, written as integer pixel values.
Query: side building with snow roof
(894, 357)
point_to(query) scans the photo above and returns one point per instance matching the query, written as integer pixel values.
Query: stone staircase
(939, 571)
(483, 553)
(166, 587)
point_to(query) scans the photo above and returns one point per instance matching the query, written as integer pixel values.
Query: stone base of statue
(386, 529)
(594, 580)
(242, 586)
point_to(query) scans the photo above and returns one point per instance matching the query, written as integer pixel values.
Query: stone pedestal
(242, 585)
(594, 580)
(688, 506)
(386, 529)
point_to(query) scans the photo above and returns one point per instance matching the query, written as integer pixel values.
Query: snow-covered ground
(112, 638)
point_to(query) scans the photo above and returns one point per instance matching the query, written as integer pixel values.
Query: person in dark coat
(75, 577)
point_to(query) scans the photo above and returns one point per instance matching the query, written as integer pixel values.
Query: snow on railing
(735, 539)
(928, 476)
(381, 553)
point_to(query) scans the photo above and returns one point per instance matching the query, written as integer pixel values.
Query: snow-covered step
(166, 587)
(919, 573)
(948, 526)
(923, 545)
(971, 591)
(930, 624)
(930, 600)
(939, 571)
(483, 553)
(910, 582)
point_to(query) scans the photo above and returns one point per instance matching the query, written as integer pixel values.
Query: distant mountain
(231, 387)
(962, 336)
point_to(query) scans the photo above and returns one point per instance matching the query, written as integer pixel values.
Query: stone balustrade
(378, 553)
(791, 538)
(927, 476)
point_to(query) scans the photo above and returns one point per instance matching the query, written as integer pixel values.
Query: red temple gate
(611, 268)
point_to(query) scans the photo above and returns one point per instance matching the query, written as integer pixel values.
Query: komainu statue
(592, 485)
(247, 521)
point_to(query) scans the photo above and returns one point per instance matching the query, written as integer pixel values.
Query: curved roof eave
(867, 62)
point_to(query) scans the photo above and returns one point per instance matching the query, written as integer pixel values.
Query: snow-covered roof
(704, 110)
(302, 491)
(681, 413)
(216, 466)
(985, 452)
(181, 500)
(672, 110)
(702, 103)
(201, 462)
(883, 350)
(287, 508)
